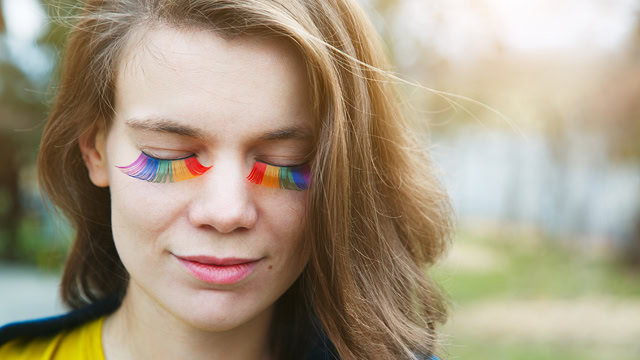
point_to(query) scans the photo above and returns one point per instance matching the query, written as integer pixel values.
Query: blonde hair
(378, 215)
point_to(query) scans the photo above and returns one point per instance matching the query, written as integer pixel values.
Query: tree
(22, 112)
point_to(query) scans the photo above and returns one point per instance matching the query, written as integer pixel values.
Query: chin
(217, 312)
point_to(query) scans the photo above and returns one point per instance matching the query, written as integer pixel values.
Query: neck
(142, 329)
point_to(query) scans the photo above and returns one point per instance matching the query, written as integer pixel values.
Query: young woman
(242, 184)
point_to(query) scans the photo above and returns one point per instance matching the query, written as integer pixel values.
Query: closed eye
(281, 177)
(151, 169)
(165, 159)
(283, 166)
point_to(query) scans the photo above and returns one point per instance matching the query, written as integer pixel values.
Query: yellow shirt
(82, 342)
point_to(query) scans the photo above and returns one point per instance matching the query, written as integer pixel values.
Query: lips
(212, 260)
(214, 270)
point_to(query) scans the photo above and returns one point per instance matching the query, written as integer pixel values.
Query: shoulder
(42, 338)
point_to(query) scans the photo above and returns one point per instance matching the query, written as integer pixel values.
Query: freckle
(270, 267)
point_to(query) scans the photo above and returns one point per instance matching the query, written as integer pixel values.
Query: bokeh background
(530, 108)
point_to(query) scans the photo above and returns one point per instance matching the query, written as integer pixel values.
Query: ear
(92, 146)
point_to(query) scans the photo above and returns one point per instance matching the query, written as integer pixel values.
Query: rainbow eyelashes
(158, 171)
(154, 170)
(281, 177)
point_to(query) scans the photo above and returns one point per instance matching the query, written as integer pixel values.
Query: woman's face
(231, 103)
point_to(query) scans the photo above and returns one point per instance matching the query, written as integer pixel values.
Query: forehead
(246, 84)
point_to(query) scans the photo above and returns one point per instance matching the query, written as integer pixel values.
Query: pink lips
(218, 271)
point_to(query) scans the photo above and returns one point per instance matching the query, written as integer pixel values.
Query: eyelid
(176, 159)
(284, 166)
(272, 159)
(193, 155)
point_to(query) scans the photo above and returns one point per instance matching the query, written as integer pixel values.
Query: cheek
(140, 209)
(282, 233)
(285, 217)
(143, 215)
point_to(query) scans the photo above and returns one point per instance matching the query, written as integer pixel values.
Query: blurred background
(535, 125)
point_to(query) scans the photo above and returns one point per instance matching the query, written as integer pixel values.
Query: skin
(245, 99)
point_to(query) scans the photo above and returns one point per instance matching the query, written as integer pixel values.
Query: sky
(25, 19)
(459, 28)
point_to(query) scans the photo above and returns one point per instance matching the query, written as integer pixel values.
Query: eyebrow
(288, 133)
(165, 126)
(170, 126)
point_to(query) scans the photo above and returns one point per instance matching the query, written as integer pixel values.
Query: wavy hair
(378, 215)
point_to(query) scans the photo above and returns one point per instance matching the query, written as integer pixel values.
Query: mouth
(212, 260)
(222, 271)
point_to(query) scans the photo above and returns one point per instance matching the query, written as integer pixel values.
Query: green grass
(533, 268)
(542, 270)
(473, 349)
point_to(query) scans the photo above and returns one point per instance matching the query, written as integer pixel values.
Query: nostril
(240, 229)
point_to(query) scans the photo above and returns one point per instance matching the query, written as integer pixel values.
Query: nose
(223, 201)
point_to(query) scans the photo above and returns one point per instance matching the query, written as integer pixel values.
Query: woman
(243, 186)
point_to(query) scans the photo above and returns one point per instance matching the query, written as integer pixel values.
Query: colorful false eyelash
(281, 177)
(158, 171)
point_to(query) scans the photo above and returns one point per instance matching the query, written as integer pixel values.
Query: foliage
(23, 106)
